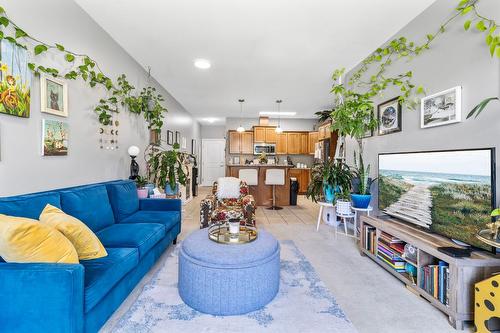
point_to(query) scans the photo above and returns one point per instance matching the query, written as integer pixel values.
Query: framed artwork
(54, 138)
(389, 117)
(442, 108)
(54, 96)
(183, 143)
(154, 137)
(170, 138)
(178, 137)
(193, 146)
(15, 80)
(369, 132)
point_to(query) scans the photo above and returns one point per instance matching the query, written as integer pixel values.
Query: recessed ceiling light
(202, 63)
(276, 113)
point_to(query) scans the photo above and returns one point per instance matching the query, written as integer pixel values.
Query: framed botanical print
(389, 116)
(170, 138)
(54, 137)
(442, 108)
(54, 96)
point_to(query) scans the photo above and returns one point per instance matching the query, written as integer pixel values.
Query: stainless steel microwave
(268, 148)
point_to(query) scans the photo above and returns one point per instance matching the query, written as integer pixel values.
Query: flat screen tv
(448, 192)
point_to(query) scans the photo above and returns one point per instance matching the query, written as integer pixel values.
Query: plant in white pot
(142, 191)
(361, 184)
(166, 169)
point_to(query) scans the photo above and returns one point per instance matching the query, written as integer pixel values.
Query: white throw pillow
(228, 188)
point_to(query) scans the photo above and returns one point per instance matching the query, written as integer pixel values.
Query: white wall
(22, 168)
(457, 58)
(213, 132)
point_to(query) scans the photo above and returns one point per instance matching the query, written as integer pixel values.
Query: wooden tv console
(464, 272)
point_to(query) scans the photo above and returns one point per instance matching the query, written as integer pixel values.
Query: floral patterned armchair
(213, 210)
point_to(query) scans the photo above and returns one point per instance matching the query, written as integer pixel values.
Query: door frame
(203, 153)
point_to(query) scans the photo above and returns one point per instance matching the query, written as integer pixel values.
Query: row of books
(388, 254)
(370, 236)
(435, 280)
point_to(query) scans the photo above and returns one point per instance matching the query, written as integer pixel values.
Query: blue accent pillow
(90, 205)
(123, 198)
(29, 205)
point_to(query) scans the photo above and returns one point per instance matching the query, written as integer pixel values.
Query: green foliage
(141, 181)
(329, 173)
(165, 167)
(315, 187)
(480, 107)
(362, 173)
(147, 101)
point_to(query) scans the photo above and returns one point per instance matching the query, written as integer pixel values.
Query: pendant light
(241, 129)
(279, 129)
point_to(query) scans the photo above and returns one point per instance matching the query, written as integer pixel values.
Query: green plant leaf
(60, 47)
(69, 57)
(20, 33)
(4, 21)
(2, 11)
(40, 49)
(466, 10)
(480, 26)
(467, 24)
(495, 212)
(31, 66)
(480, 107)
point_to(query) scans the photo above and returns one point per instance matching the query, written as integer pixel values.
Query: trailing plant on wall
(120, 92)
(351, 115)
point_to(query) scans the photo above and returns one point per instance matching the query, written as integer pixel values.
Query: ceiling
(260, 50)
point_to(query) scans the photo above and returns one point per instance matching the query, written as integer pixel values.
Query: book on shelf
(435, 281)
(369, 238)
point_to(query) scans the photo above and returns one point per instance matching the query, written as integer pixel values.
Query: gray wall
(457, 58)
(22, 168)
(213, 132)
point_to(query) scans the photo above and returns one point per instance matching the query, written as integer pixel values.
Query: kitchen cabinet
(259, 134)
(240, 143)
(313, 139)
(281, 144)
(271, 135)
(293, 142)
(303, 177)
(324, 131)
(304, 147)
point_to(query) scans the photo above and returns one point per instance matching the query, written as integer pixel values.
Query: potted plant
(315, 188)
(328, 178)
(165, 169)
(142, 191)
(361, 184)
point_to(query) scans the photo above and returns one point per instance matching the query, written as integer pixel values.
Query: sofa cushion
(90, 205)
(30, 205)
(167, 218)
(142, 236)
(102, 274)
(123, 198)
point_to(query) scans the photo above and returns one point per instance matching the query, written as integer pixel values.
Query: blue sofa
(54, 298)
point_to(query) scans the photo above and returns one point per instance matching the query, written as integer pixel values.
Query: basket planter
(343, 207)
(361, 200)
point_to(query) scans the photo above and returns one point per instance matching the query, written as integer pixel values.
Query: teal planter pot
(361, 200)
(329, 192)
(170, 191)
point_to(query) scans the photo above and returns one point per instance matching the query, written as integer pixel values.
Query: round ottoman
(224, 279)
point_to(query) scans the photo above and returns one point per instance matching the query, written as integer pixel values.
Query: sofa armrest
(41, 297)
(160, 204)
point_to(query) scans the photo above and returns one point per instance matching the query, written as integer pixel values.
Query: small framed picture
(54, 96)
(183, 143)
(442, 108)
(154, 137)
(193, 146)
(178, 137)
(54, 137)
(389, 117)
(170, 138)
(369, 132)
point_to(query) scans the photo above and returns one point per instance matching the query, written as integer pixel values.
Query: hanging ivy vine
(120, 93)
(352, 115)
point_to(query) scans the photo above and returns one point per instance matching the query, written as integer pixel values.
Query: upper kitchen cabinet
(265, 134)
(259, 134)
(293, 142)
(240, 143)
(304, 139)
(324, 131)
(313, 139)
(271, 135)
(281, 144)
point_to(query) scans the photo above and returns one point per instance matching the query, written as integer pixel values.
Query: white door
(213, 160)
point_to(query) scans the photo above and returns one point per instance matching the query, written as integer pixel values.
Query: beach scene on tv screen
(446, 192)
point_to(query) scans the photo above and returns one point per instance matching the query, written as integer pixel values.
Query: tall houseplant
(165, 168)
(327, 179)
(362, 183)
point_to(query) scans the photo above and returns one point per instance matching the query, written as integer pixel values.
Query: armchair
(213, 210)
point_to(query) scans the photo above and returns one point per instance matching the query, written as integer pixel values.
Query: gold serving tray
(219, 233)
(486, 237)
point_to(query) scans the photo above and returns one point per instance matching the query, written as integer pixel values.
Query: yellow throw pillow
(27, 241)
(86, 243)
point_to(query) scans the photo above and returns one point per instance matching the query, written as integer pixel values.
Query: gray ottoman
(222, 279)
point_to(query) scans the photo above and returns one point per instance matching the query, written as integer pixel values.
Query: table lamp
(133, 151)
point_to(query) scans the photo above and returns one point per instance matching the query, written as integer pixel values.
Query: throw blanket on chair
(228, 188)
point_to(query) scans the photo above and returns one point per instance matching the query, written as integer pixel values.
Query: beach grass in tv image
(448, 192)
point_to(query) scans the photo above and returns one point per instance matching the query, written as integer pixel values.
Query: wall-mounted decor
(183, 143)
(170, 138)
(177, 137)
(369, 132)
(442, 108)
(154, 137)
(193, 147)
(15, 80)
(54, 138)
(389, 117)
(54, 96)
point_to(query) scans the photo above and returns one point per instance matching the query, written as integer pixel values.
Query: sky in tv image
(445, 192)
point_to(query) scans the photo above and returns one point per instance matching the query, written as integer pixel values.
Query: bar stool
(249, 176)
(275, 177)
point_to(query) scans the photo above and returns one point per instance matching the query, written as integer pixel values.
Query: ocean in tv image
(447, 192)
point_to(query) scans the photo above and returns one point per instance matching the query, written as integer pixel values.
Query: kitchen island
(263, 193)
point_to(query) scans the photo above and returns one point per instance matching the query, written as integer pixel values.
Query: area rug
(303, 304)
